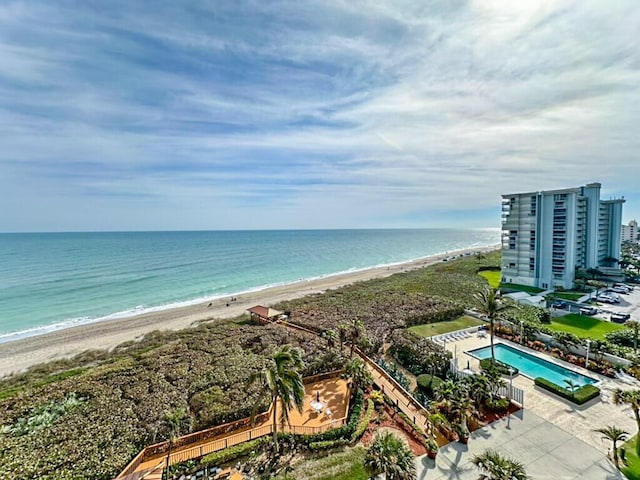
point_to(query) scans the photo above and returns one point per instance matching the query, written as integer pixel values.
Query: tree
(173, 421)
(494, 466)
(615, 434)
(331, 336)
(359, 374)
(283, 381)
(631, 398)
(356, 328)
(594, 272)
(635, 326)
(389, 455)
(571, 386)
(489, 304)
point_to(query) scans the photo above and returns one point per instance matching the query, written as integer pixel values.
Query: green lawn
(492, 276)
(521, 288)
(573, 296)
(583, 326)
(345, 465)
(439, 328)
(632, 470)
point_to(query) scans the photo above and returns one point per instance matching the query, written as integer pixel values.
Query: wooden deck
(334, 393)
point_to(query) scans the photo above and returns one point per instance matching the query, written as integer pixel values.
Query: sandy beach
(20, 354)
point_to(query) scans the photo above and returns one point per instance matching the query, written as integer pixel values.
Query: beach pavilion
(260, 314)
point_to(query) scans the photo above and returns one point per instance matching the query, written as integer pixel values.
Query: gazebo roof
(264, 312)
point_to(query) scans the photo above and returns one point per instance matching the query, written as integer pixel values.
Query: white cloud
(358, 111)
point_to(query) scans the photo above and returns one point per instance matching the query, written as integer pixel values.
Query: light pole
(522, 332)
(586, 362)
(510, 383)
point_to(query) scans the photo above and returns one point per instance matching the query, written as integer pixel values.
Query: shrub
(497, 404)
(327, 444)
(427, 383)
(364, 422)
(418, 354)
(503, 368)
(581, 395)
(232, 453)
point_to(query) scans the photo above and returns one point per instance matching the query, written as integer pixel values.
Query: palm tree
(571, 386)
(631, 398)
(389, 455)
(488, 302)
(359, 374)
(635, 326)
(283, 381)
(356, 328)
(331, 336)
(494, 466)
(173, 421)
(615, 434)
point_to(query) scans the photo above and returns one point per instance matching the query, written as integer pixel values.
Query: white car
(619, 290)
(606, 298)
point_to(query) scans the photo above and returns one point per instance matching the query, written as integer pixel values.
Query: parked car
(560, 305)
(620, 317)
(628, 288)
(619, 290)
(588, 310)
(606, 298)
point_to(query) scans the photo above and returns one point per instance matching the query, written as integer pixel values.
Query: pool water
(532, 366)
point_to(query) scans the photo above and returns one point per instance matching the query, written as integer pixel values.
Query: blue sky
(328, 114)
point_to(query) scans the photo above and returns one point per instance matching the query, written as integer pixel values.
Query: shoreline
(19, 354)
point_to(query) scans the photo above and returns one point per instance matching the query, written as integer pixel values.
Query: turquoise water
(531, 366)
(50, 281)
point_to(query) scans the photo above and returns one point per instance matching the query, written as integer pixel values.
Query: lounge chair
(482, 333)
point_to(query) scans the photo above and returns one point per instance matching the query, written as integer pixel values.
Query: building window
(512, 265)
(532, 264)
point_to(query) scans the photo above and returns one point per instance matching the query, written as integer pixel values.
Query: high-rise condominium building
(547, 235)
(630, 232)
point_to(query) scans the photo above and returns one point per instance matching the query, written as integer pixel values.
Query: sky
(197, 115)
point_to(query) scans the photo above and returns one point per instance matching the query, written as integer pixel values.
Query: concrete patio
(547, 452)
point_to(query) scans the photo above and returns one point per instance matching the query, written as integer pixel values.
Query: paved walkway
(546, 451)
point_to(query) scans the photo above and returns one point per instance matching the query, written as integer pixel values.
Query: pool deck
(578, 421)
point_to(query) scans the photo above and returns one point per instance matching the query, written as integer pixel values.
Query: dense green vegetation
(126, 394)
(439, 328)
(584, 326)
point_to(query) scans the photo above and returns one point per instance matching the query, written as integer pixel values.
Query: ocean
(50, 281)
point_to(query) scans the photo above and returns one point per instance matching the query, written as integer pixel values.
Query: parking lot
(629, 304)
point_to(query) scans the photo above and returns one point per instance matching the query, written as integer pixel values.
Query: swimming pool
(531, 366)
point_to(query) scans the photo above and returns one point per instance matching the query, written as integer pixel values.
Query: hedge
(503, 368)
(364, 422)
(231, 453)
(327, 444)
(581, 395)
